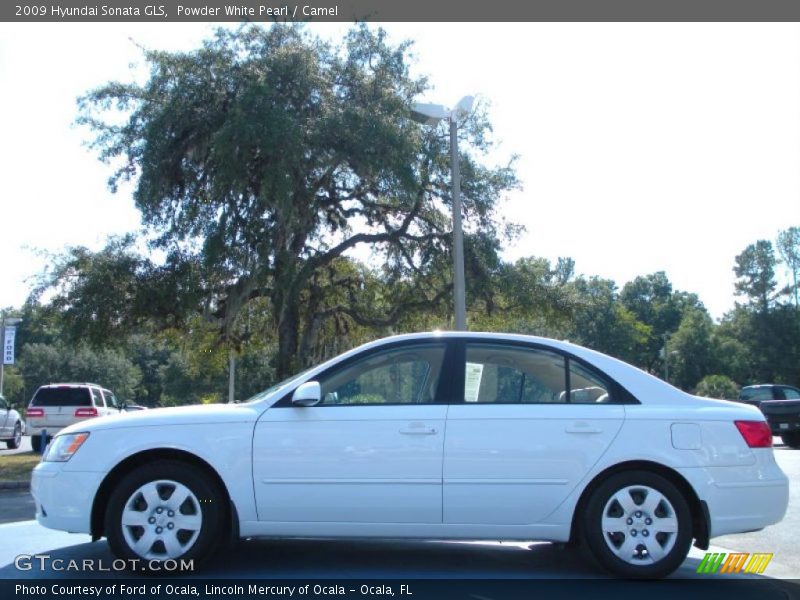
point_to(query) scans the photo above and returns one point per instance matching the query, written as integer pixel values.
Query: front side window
(407, 375)
(110, 399)
(515, 375)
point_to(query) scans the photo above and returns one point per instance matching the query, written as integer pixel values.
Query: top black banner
(376, 11)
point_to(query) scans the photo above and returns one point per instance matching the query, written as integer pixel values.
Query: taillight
(756, 434)
(34, 412)
(86, 412)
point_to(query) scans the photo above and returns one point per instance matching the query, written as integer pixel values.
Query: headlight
(63, 447)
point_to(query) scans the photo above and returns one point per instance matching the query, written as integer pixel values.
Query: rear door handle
(418, 431)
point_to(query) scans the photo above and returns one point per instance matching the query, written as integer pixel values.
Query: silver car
(11, 425)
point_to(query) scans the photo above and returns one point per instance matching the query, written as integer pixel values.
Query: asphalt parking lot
(393, 559)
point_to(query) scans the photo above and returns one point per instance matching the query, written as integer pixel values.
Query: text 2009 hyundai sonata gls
(446, 436)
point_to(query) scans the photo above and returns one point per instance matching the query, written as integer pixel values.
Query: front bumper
(64, 498)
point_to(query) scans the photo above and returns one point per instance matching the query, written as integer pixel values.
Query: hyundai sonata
(437, 435)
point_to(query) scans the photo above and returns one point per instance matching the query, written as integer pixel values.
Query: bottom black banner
(414, 589)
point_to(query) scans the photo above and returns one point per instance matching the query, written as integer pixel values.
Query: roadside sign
(8, 345)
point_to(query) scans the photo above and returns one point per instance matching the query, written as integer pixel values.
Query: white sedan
(436, 435)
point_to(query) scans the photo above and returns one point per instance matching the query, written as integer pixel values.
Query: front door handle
(582, 428)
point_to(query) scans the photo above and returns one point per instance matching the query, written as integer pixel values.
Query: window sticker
(472, 381)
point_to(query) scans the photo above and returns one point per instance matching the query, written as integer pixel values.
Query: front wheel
(638, 525)
(791, 439)
(166, 510)
(14, 442)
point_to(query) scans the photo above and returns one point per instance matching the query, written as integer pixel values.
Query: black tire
(791, 439)
(14, 442)
(36, 443)
(208, 503)
(672, 506)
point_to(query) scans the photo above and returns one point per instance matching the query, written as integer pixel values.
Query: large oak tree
(263, 159)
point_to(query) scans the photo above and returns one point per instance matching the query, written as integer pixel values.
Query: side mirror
(307, 394)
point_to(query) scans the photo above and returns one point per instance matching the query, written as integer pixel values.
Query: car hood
(179, 415)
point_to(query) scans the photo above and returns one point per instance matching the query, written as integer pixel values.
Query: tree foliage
(261, 159)
(718, 386)
(755, 270)
(789, 249)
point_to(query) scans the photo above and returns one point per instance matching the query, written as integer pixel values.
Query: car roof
(764, 385)
(49, 385)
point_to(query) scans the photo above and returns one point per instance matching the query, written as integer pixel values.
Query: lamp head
(428, 114)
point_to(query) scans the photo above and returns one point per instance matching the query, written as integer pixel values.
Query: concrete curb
(14, 485)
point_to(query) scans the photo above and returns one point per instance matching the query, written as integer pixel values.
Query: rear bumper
(742, 499)
(51, 431)
(783, 423)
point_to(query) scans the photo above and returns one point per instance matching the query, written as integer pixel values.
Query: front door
(369, 452)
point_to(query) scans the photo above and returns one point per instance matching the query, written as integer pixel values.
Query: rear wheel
(167, 510)
(638, 525)
(791, 439)
(36, 443)
(14, 442)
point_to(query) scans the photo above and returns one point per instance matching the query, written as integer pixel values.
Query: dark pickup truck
(780, 405)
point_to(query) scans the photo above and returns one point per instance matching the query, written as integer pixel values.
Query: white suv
(58, 405)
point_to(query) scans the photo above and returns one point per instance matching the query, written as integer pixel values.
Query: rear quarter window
(62, 396)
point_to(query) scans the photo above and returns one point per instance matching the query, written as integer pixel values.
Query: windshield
(276, 387)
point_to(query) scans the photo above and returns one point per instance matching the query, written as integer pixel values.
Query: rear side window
(509, 375)
(791, 393)
(62, 396)
(502, 374)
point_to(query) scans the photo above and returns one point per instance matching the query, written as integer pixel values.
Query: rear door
(532, 423)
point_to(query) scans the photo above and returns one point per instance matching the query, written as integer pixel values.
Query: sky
(642, 147)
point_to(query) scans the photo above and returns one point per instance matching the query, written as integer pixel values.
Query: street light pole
(459, 286)
(431, 114)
